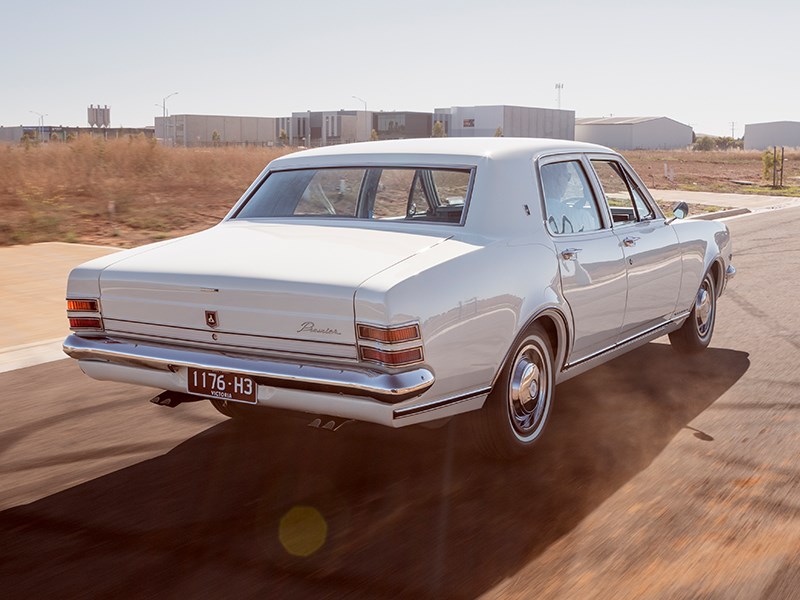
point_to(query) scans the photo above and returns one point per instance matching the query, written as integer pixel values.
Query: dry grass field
(128, 192)
(123, 192)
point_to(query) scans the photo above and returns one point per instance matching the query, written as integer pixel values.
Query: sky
(706, 63)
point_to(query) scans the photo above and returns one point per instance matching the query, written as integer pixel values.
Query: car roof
(444, 149)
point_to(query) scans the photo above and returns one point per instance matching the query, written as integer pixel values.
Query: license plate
(225, 386)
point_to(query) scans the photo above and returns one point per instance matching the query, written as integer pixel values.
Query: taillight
(85, 323)
(83, 305)
(84, 314)
(389, 335)
(392, 358)
(389, 345)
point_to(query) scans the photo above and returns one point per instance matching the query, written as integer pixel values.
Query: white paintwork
(472, 288)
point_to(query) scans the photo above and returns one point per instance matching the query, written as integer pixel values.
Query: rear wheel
(519, 405)
(695, 334)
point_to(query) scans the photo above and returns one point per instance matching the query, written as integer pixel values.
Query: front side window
(405, 194)
(625, 200)
(569, 202)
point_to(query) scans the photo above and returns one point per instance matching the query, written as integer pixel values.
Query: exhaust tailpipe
(173, 399)
(329, 423)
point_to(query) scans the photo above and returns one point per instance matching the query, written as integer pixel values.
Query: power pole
(733, 135)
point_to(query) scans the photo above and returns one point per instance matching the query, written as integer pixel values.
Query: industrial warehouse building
(324, 128)
(52, 133)
(509, 121)
(634, 133)
(398, 125)
(759, 136)
(210, 130)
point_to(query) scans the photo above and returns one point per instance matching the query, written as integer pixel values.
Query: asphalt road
(658, 478)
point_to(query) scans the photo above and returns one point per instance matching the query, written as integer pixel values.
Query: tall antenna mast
(559, 87)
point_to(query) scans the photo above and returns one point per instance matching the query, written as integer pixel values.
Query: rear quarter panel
(471, 301)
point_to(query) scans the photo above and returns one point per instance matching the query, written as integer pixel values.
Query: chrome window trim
(383, 166)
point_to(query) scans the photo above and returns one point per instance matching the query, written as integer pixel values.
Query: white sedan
(404, 282)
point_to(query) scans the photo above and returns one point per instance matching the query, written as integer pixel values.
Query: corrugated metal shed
(759, 136)
(633, 133)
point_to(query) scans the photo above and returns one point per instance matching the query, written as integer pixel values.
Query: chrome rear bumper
(352, 381)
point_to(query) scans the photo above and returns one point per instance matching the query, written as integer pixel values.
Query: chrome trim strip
(629, 340)
(349, 380)
(410, 411)
(237, 333)
(130, 337)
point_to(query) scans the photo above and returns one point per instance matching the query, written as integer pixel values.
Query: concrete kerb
(721, 214)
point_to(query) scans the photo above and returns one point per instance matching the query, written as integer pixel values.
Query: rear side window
(570, 205)
(398, 194)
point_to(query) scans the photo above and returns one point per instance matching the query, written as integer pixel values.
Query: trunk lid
(259, 286)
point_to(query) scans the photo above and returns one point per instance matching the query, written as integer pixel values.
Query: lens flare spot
(302, 531)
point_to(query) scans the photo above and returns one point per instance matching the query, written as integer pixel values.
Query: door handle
(570, 253)
(630, 241)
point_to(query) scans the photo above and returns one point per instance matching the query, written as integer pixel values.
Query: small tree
(704, 143)
(498, 132)
(438, 129)
(215, 137)
(768, 160)
(373, 136)
(283, 137)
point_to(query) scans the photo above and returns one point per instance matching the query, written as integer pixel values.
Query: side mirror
(679, 212)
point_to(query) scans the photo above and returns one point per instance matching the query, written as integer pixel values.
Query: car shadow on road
(288, 511)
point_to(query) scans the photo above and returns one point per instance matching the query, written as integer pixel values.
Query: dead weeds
(127, 192)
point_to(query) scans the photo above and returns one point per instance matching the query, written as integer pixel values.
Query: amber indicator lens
(394, 357)
(85, 323)
(83, 305)
(393, 335)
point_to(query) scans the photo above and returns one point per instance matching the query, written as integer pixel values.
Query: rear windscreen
(400, 194)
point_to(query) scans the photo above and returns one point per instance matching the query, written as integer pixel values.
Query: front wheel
(520, 402)
(695, 334)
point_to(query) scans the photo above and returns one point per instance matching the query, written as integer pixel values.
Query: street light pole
(163, 106)
(41, 124)
(365, 111)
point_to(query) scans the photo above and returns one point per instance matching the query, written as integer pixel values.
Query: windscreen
(398, 194)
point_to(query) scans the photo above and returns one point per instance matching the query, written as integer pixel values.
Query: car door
(650, 245)
(591, 260)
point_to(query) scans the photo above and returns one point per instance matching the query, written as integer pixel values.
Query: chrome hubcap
(529, 392)
(703, 310)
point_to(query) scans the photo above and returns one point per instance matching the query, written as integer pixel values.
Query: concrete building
(760, 136)
(210, 130)
(397, 125)
(53, 133)
(634, 133)
(443, 116)
(325, 128)
(511, 121)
